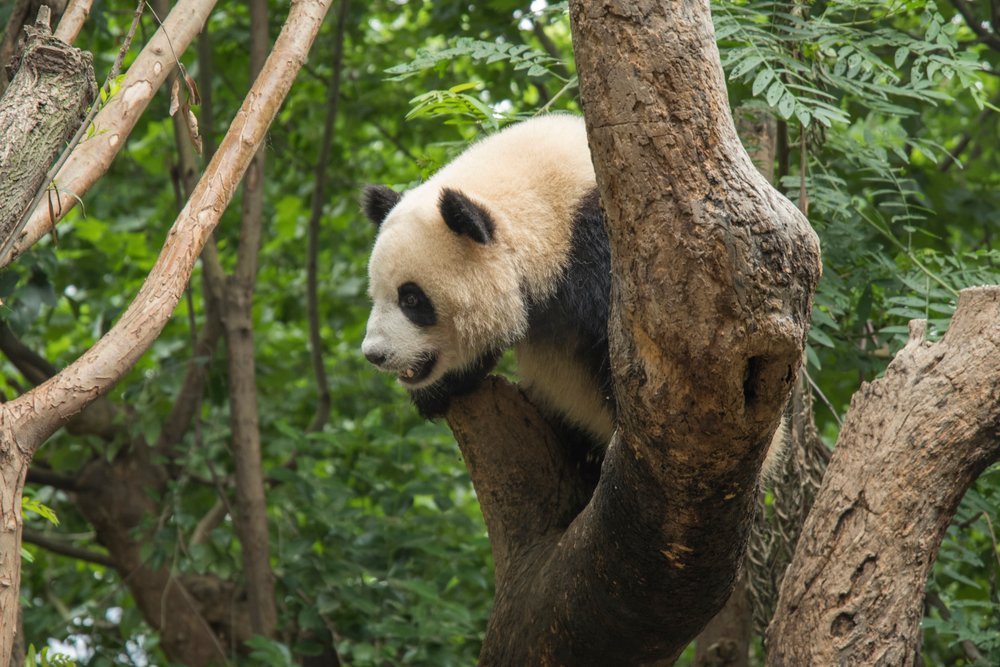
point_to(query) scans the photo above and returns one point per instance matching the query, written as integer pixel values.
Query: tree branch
(712, 279)
(911, 445)
(27, 421)
(72, 20)
(316, 213)
(35, 368)
(68, 550)
(44, 477)
(987, 37)
(90, 159)
(237, 321)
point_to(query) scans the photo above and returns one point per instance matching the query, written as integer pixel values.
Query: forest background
(886, 135)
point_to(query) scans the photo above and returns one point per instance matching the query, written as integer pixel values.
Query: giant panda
(504, 247)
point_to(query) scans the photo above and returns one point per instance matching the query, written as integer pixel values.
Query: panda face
(442, 288)
(403, 337)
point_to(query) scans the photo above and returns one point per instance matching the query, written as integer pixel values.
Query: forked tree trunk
(911, 445)
(713, 275)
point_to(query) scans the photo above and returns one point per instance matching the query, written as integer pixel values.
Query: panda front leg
(433, 401)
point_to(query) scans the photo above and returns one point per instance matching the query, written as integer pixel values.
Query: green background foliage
(376, 533)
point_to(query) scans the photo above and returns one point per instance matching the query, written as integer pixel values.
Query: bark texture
(42, 108)
(911, 445)
(713, 275)
(90, 159)
(725, 641)
(28, 420)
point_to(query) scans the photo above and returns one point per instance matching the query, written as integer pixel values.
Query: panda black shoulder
(580, 303)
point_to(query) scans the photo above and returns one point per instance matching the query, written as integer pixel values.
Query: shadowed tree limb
(57, 546)
(315, 215)
(237, 327)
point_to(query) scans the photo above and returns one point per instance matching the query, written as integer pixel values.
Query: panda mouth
(418, 372)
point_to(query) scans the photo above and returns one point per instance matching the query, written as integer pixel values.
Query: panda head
(444, 286)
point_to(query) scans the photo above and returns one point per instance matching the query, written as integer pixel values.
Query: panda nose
(376, 358)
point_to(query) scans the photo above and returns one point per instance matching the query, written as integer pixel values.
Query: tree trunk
(237, 320)
(713, 274)
(42, 108)
(911, 445)
(725, 641)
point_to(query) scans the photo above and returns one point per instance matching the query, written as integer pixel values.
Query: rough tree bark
(725, 641)
(21, 15)
(28, 420)
(713, 275)
(41, 109)
(90, 159)
(911, 445)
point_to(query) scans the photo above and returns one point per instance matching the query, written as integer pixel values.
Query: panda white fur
(503, 247)
(472, 262)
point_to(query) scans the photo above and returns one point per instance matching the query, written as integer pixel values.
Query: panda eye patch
(416, 305)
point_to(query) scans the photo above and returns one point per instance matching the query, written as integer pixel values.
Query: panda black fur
(520, 251)
(503, 247)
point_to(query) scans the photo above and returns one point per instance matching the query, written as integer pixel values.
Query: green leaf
(763, 78)
(787, 105)
(774, 93)
(902, 53)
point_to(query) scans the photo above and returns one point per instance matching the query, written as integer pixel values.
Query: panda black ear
(377, 201)
(464, 216)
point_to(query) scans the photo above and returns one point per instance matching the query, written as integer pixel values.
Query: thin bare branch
(316, 213)
(98, 369)
(212, 520)
(237, 320)
(72, 20)
(57, 546)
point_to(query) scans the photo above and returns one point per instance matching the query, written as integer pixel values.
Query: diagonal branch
(237, 321)
(911, 445)
(72, 20)
(111, 357)
(90, 159)
(27, 421)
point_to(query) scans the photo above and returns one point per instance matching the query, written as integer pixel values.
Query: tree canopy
(885, 118)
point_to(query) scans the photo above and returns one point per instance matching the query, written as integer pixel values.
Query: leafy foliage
(378, 545)
(44, 658)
